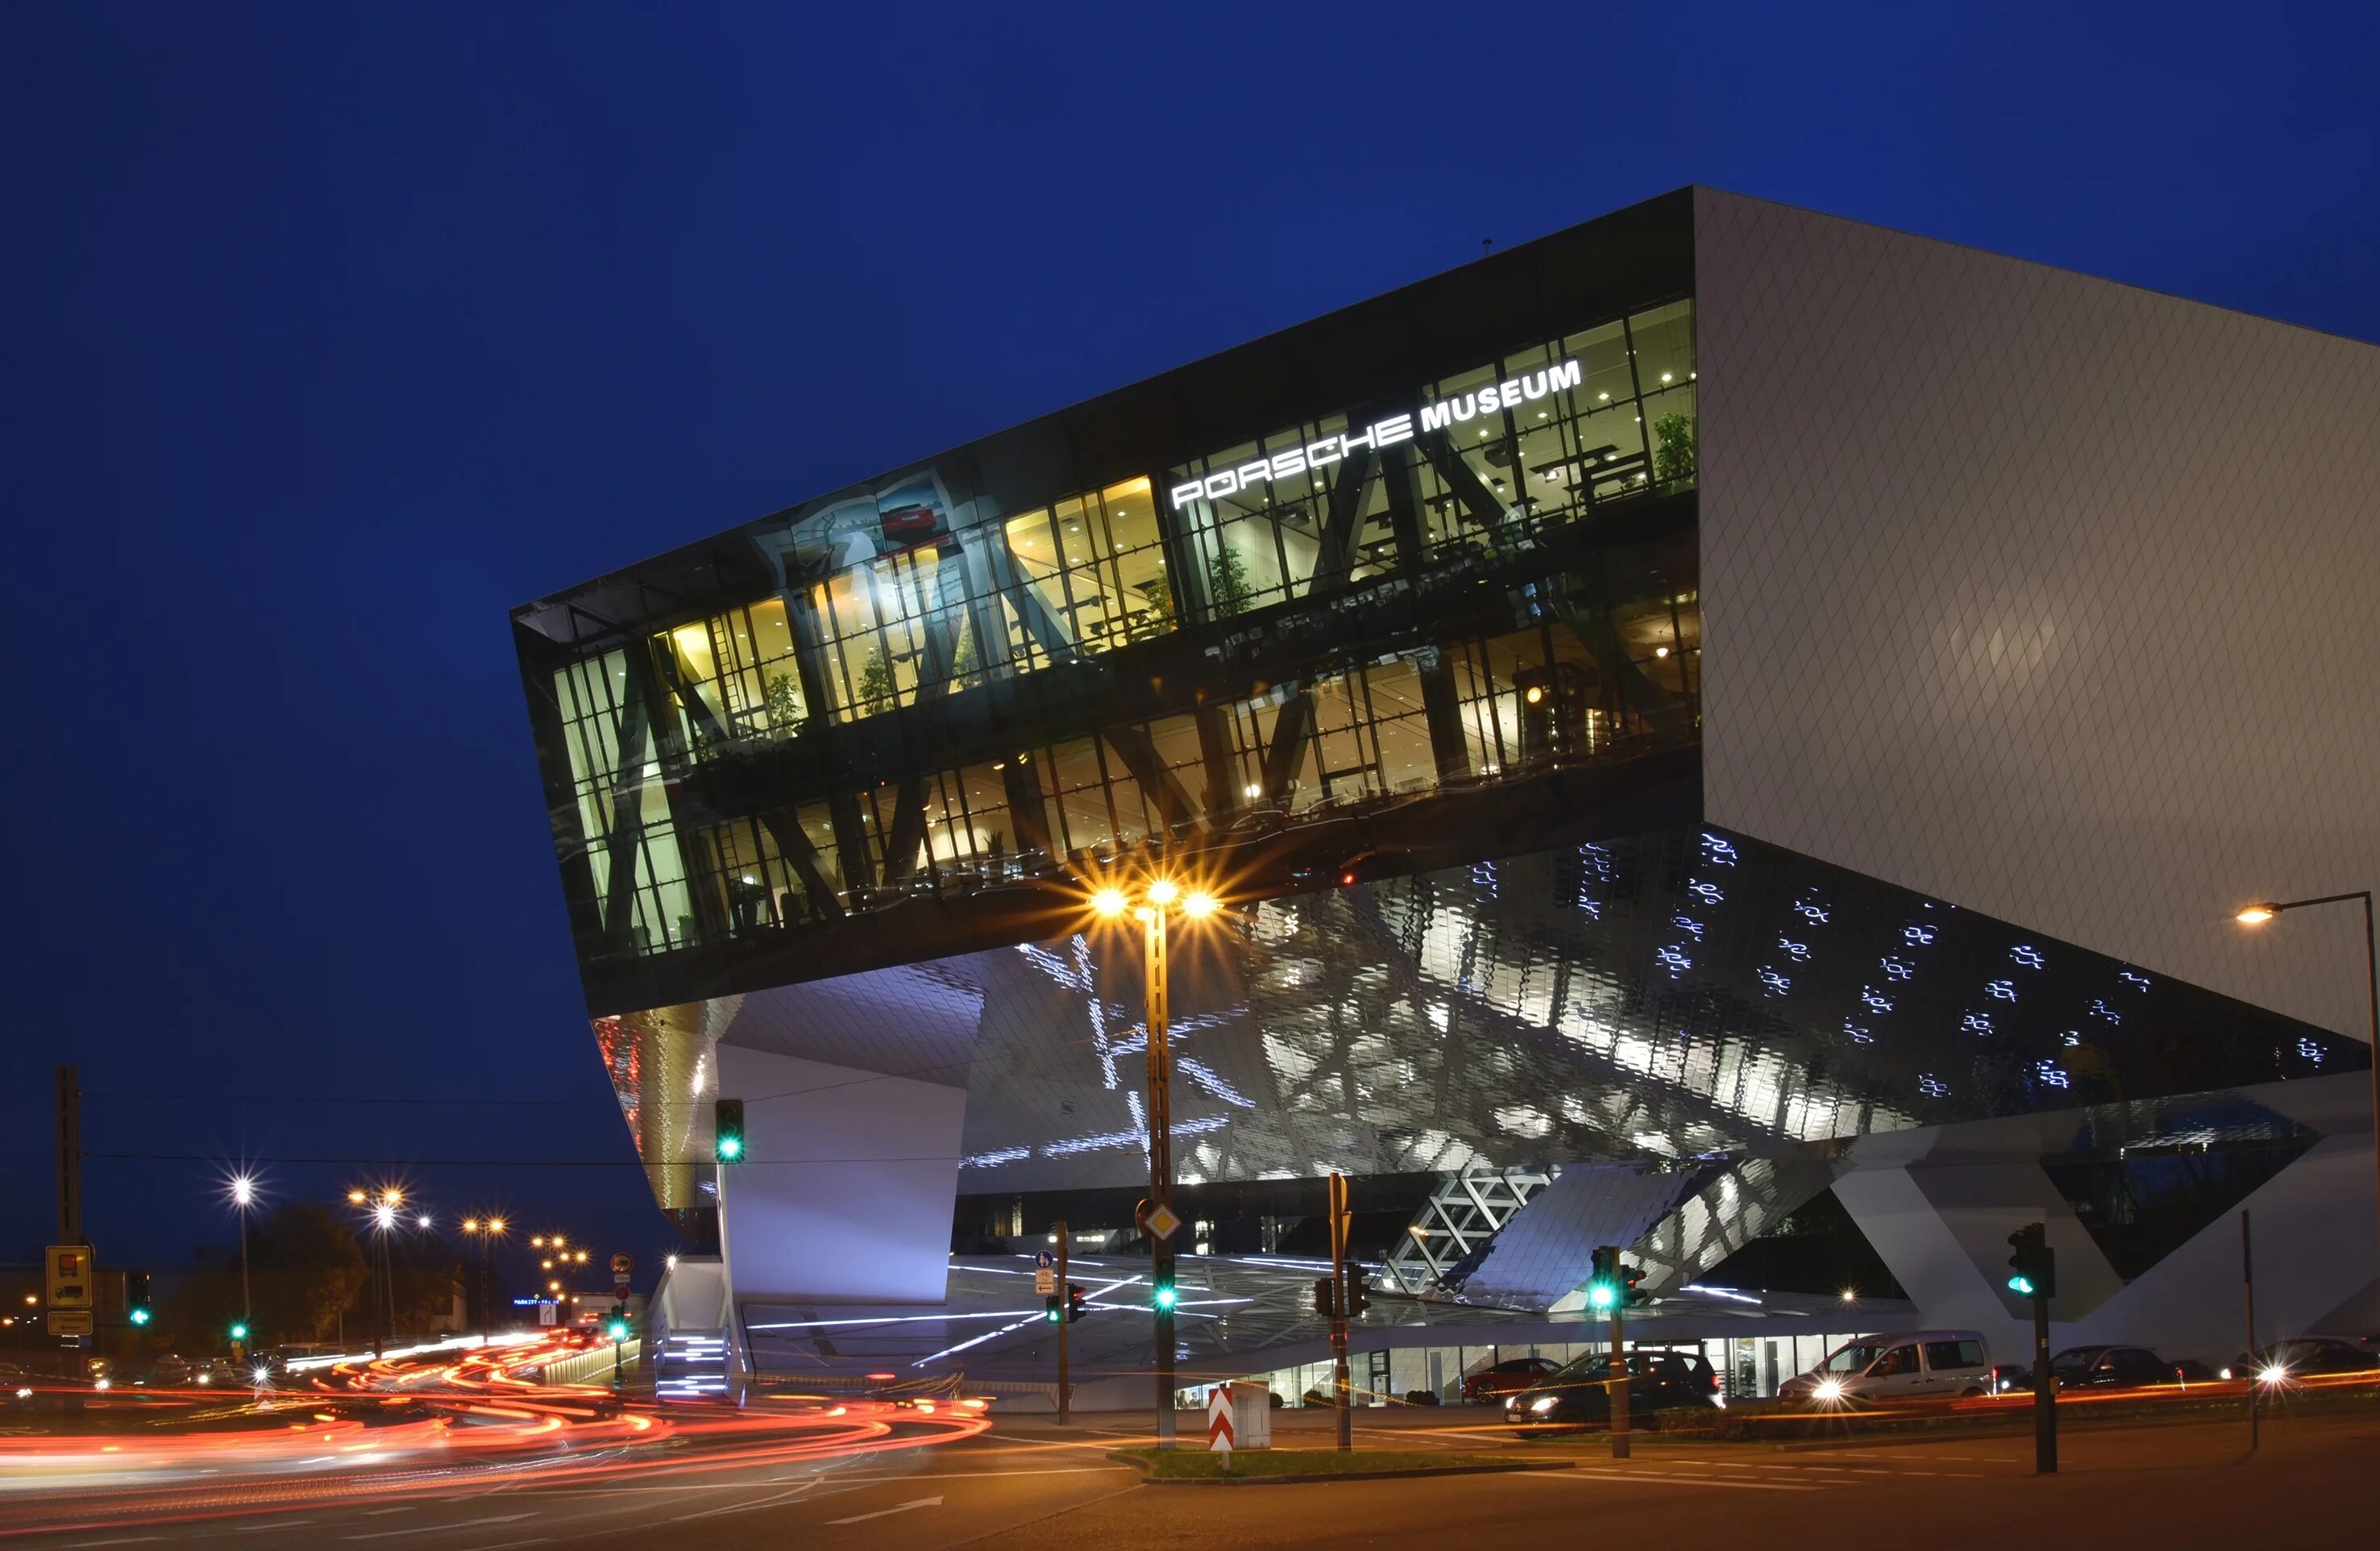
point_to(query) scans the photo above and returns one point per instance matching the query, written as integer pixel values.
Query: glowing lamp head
(1537, 693)
(1109, 902)
(423, 1220)
(2256, 915)
(239, 1330)
(385, 1215)
(243, 1190)
(1198, 904)
(470, 1224)
(495, 1225)
(1163, 892)
(355, 1198)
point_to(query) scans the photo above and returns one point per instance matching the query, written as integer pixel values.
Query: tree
(1673, 459)
(1227, 583)
(304, 1267)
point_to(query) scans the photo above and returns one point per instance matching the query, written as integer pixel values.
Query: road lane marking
(259, 1529)
(889, 1512)
(125, 1540)
(438, 1528)
(1653, 1479)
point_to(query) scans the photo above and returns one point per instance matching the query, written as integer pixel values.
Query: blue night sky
(332, 332)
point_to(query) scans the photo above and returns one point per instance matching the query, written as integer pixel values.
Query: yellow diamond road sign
(1163, 1221)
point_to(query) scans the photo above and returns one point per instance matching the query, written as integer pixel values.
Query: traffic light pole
(1341, 1386)
(2045, 1393)
(1618, 1389)
(1065, 1318)
(2247, 1283)
(1161, 1168)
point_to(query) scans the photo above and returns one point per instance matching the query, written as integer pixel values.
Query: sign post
(1219, 1422)
(1065, 1318)
(1342, 1389)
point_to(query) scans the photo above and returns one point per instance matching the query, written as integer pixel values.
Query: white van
(1925, 1362)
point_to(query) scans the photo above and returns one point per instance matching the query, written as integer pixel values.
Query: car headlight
(1544, 1403)
(2274, 1373)
(1828, 1390)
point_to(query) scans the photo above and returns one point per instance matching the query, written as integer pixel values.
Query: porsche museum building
(1723, 731)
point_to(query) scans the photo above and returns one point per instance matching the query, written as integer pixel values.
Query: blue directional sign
(1044, 1261)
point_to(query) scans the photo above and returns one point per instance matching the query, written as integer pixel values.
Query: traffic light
(1632, 1294)
(616, 1327)
(1603, 1287)
(1076, 1307)
(239, 1330)
(1052, 1308)
(2033, 1270)
(136, 1296)
(728, 1130)
(1359, 1297)
(1162, 1297)
(1324, 1303)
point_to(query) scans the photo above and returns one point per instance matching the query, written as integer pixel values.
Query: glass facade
(901, 719)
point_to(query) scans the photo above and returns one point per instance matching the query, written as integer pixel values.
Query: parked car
(1508, 1377)
(1929, 1363)
(2298, 1359)
(1579, 1393)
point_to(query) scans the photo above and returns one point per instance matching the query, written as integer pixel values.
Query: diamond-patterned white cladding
(2044, 595)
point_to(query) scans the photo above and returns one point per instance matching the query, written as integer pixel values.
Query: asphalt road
(1032, 1486)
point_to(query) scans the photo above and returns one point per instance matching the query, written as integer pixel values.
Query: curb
(1148, 1480)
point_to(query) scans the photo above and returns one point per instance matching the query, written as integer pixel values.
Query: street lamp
(486, 1233)
(1160, 899)
(384, 1204)
(2264, 911)
(243, 1196)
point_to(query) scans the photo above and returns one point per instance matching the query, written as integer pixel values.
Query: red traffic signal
(1075, 1307)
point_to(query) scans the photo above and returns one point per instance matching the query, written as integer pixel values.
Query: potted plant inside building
(1673, 454)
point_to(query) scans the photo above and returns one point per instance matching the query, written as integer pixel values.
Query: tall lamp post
(383, 1204)
(487, 1232)
(2256, 915)
(243, 1196)
(1161, 899)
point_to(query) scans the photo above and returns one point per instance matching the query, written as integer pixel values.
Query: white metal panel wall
(2049, 597)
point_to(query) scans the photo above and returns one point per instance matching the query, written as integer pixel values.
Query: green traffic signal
(1164, 1296)
(239, 1330)
(2022, 1285)
(1601, 1295)
(728, 1130)
(617, 1329)
(138, 1316)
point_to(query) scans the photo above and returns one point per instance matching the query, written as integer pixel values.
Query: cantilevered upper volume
(2039, 636)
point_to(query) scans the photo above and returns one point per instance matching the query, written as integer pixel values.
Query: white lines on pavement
(438, 1528)
(121, 1540)
(1650, 1478)
(889, 1512)
(771, 1501)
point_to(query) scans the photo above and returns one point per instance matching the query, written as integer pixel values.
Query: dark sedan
(2285, 1360)
(1579, 1393)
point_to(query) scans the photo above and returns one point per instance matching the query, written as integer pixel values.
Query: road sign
(1162, 1221)
(1219, 1421)
(70, 1322)
(67, 1269)
(547, 1313)
(1045, 1282)
(624, 1266)
(1044, 1261)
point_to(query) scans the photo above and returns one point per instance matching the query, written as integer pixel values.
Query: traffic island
(1267, 1467)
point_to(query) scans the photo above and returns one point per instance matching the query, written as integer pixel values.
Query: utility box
(1251, 1415)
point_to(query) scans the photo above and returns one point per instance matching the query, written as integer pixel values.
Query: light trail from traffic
(396, 1429)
